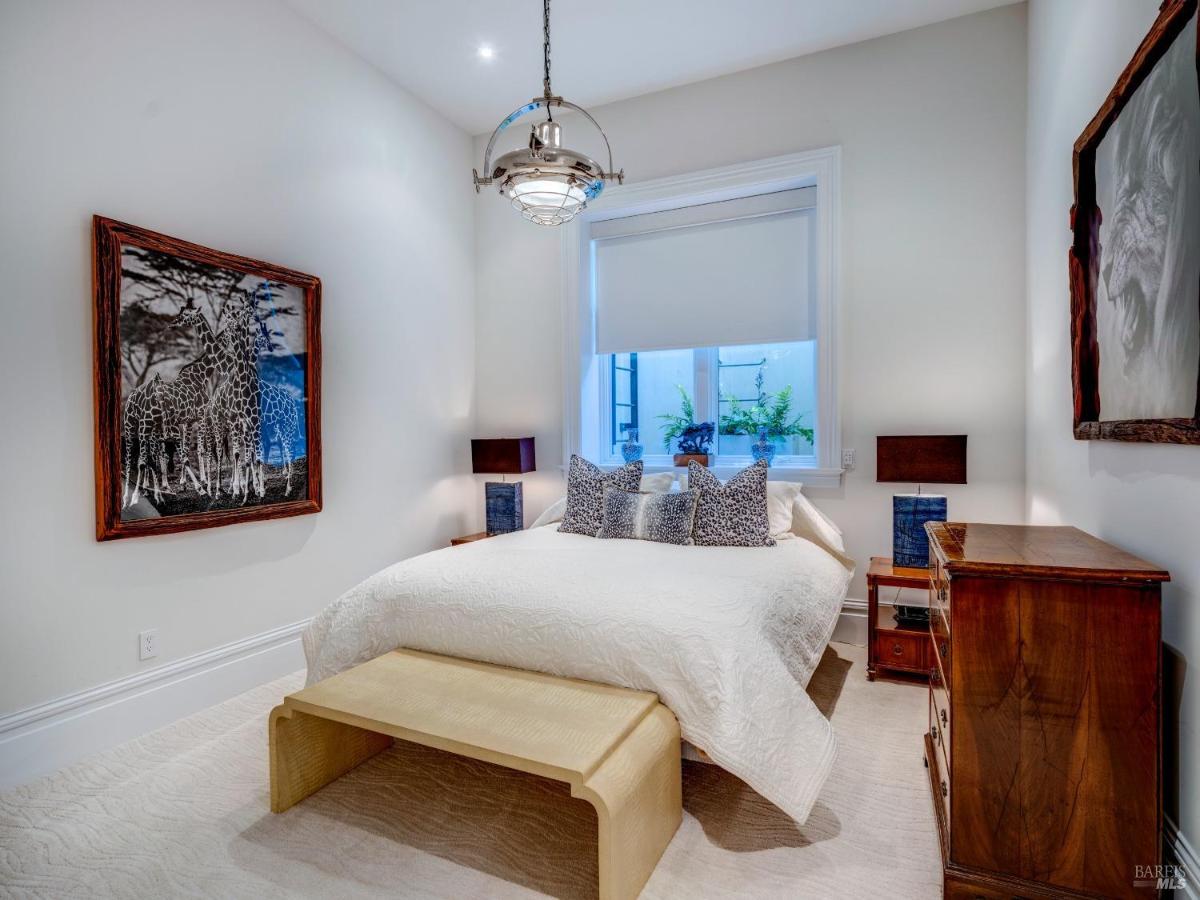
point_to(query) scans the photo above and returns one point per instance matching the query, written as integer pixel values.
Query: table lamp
(503, 456)
(918, 459)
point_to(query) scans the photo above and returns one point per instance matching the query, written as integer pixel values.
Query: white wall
(242, 127)
(1143, 497)
(931, 123)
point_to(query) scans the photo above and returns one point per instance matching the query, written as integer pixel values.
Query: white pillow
(810, 524)
(658, 483)
(552, 513)
(780, 496)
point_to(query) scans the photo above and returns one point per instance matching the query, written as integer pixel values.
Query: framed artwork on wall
(207, 382)
(1135, 257)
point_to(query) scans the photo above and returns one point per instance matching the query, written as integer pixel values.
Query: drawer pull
(897, 650)
(945, 789)
(942, 713)
(935, 677)
(944, 649)
(933, 732)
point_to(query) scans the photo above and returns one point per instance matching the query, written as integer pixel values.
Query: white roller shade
(735, 272)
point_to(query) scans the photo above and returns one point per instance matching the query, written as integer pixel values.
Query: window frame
(706, 373)
(584, 434)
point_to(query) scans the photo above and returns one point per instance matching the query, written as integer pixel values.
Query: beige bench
(617, 748)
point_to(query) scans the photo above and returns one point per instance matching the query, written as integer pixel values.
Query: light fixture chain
(546, 47)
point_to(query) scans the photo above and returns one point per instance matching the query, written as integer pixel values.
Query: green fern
(772, 413)
(675, 424)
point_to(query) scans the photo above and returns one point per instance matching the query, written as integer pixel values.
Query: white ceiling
(600, 51)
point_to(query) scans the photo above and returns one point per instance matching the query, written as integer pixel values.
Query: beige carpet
(183, 813)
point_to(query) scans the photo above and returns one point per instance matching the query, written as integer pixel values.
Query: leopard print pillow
(733, 514)
(585, 493)
(665, 518)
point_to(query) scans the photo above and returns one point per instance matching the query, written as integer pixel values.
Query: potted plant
(770, 418)
(694, 437)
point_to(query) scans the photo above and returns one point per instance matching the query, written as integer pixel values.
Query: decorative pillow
(651, 484)
(585, 493)
(733, 514)
(666, 518)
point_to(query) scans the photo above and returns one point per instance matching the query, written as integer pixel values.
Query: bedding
(728, 637)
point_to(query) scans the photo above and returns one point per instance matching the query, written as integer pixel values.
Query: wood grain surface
(1052, 713)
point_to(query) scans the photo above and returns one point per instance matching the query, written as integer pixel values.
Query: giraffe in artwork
(281, 424)
(183, 402)
(138, 428)
(219, 352)
(238, 406)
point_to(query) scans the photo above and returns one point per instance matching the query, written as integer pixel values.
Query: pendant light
(547, 183)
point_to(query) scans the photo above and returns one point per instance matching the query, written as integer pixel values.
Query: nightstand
(894, 648)
(469, 538)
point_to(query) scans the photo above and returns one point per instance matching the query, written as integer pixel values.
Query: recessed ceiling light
(485, 52)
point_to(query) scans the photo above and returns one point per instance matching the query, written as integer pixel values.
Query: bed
(728, 637)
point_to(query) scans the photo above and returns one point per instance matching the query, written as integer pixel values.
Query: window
(737, 388)
(716, 287)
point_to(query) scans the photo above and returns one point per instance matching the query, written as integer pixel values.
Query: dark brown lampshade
(502, 456)
(922, 459)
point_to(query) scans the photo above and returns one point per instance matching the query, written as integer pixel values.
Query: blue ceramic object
(910, 512)
(631, 450)
(504, 506)
(763, 448)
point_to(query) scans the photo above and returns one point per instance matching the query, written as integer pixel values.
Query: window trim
(705, 369)
(816, 168)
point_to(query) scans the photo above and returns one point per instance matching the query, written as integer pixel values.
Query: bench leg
(638, 796)
(307, 752)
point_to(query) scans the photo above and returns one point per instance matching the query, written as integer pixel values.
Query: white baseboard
(1181, 852)
(49, 736)
(851, 626)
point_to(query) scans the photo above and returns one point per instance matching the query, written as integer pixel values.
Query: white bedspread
(728, 637)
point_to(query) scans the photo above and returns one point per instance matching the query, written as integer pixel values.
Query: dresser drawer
(939, 719)
(939, 637)
(902, 650)
(939, 590)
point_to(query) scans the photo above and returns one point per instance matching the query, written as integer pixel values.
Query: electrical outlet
(148, 644)
(847, 459)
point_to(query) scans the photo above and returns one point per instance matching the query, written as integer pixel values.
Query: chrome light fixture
(547, 183)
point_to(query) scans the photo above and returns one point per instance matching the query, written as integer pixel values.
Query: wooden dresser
(1044, 712)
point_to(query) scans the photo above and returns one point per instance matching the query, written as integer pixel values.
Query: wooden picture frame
(1085, 265)
(168, 286)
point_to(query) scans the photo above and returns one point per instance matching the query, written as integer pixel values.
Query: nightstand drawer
(902, 650)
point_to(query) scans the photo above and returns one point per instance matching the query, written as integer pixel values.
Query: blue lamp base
(504, 507)
(910, 512)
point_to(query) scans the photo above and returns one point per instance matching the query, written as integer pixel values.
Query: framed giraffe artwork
(207, 386)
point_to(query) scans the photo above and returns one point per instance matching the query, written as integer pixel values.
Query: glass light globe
(547, 201)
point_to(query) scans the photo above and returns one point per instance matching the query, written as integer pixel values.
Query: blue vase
(631, 450)
(763, 448)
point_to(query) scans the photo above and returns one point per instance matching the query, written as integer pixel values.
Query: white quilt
(728, 637)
